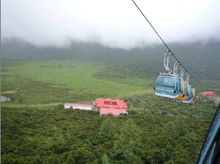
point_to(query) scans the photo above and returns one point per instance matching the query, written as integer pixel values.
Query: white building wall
(78, 107)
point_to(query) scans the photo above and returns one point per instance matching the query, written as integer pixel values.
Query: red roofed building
(110, 103)
(208, 93)
(115, 107)
(114, 112)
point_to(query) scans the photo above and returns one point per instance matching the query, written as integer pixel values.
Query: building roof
(111, 103)
(115, 112)
(208, 93)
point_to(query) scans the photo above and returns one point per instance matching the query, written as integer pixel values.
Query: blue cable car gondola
(190, 94)
(172, 85)
(168, 84)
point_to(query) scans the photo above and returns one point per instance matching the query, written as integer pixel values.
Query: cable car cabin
(168, 85)
(190, 94)
(182, 96)
(187, 93)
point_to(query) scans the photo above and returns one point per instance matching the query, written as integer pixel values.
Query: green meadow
(60, 81)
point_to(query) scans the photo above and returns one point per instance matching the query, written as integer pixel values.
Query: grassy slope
(60, 81)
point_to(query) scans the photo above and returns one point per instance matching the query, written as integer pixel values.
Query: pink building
(110, 103)
(114, 112)
(116, 107)
(208, 93)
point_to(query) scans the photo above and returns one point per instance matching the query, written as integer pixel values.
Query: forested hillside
(156, 131)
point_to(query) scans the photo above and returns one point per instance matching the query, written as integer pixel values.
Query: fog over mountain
(201, 59)
(110, 22)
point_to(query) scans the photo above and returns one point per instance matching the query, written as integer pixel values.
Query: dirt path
(8, 92)
(30, 105)
(43, 105)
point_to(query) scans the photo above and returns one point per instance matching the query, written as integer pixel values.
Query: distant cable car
(168, 84)
(188, 93)
(172, 85)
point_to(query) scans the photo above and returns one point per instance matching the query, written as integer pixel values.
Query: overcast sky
(110, 22)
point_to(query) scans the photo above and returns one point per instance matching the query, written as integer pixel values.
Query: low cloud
(109, 22)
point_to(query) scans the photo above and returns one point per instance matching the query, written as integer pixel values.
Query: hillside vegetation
(156, 131)
(36, 128)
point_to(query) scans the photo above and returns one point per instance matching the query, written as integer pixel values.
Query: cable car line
(151, 25)
(186, 70)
